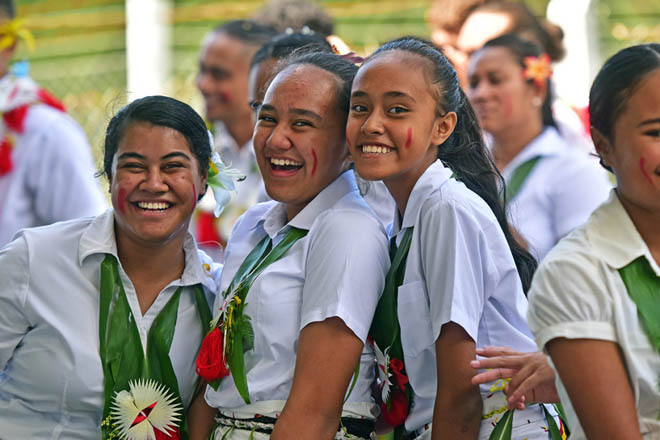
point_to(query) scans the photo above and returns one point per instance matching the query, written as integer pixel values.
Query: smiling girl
(306, 268)
(454, 280)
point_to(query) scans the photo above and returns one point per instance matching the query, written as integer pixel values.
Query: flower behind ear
(221, 180)
(538, 69)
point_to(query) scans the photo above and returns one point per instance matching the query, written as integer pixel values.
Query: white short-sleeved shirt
(337, 270)
(51, 386)
(459, 269)
(53, 174)
(577, 292)
(559, 194)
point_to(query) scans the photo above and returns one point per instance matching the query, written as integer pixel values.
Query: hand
(532, 377)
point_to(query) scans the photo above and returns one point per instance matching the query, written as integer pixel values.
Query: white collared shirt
(337, 270)
(52, 383)
(52, 177)
(559, 194)
(459, 269)
(577, 292)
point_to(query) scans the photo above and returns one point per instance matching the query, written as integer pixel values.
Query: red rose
(396, 367)
(168, 435)
(398, 410)
(210, 360)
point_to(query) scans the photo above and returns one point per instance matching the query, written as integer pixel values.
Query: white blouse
(559, 194)
(459, 269)
(51, 386)
(577, 292)
(337, 270)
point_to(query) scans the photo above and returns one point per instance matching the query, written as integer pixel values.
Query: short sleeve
(569, 299)
(456, 266)
(15, 276)
(63, 180)
(347, 261)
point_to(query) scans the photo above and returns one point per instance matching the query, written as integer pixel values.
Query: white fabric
(337, 270)
(577, 292)
(53, 174)
(52, 383)
(459, 269)
(378, 197)
(558, 195)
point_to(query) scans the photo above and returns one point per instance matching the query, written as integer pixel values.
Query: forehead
(152, 140)
(391, 71)
(644, 103)
(259, 76)
(222, 50)
(303, 86)
(492, 59)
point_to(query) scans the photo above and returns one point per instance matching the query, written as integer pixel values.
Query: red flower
(5, 157)
(396, 365)
(398, 410)
(210, 360)
(169, 435)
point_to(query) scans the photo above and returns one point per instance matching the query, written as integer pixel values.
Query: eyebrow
(649, 122)
(303, 112)
(138, 156)
(130, 156)
(392, 94)
(176, 154)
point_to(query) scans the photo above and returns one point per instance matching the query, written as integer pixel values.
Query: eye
(266, 118)
(474, 83)
(254, 105)
(357, 108)
(302, 123)
(397, 110)
(653, 132)
(173, 165)
(131, 166)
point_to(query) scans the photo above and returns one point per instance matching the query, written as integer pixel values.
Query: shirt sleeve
(62, 181)
(457, 264)
(345, 272)
(15, 276)
(569, 299)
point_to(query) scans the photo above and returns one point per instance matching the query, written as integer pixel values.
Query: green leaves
(504, 427)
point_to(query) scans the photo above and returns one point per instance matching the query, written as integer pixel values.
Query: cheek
(642, 167)
(507, 105)
(409, 137)
(121, 200)
(225, 96)
(315, 161)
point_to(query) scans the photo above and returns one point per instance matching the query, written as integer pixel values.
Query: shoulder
(54, 129)
(252, 216)
(349, 217)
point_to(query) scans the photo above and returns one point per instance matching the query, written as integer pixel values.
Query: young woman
(454, 282)
(552, 187)
(594, 303)
(82, 300)
(306, 268)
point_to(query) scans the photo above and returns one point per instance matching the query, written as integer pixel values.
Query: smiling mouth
(376, 149)
(284, 164)
(153, 206)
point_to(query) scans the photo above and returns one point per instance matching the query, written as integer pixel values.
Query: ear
(204, 178)
(443, 127)
(540, 90)
(603, 147)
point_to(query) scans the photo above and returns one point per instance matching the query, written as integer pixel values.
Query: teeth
(156, 206)
(377, 149)
(284, 162)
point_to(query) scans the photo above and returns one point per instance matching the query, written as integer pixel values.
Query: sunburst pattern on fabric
(147, 412)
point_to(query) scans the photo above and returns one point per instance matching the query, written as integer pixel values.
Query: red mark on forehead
(121, 200)
(642, 167)
(409, 137)
(315, 161)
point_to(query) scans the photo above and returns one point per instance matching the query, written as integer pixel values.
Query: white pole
(573, 75)
(147, 47)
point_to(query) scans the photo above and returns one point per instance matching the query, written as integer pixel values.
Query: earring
(536, 101)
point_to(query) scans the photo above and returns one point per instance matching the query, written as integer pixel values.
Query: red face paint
(409, 138)
(642, 166)
(121, 200)
(224, 96)
(315, 161)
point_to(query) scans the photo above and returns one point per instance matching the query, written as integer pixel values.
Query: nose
(154, 181)
(279, 139)
(373, 124)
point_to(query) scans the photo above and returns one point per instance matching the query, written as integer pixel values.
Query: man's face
(223, 77)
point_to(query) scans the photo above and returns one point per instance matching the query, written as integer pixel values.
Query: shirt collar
(546, 144)
(99, 238)
(615, 237)
(274, 220)
(434, 177)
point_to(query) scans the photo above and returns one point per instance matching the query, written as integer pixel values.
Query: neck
(400, 187)
(241, 129)
(646, 222)
(508, 143)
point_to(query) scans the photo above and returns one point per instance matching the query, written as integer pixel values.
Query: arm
(328, 353)
(595, 378)
(200, 417)
(532, 377)
(458, 405)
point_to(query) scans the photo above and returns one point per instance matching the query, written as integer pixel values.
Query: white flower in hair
(146, 412)
(221, 180)
(383, 362)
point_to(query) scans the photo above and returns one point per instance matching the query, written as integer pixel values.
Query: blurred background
(94, 53)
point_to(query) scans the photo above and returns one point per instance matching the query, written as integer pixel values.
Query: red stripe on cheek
(121, 200)
(409, 138)
(226, 97)
(642, 166)
(316, 161)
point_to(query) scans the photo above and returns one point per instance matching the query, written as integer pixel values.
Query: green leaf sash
(233, 321)
(518, 178)
(122, 356)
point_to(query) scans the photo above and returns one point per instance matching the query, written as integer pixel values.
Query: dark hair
(284, 45)
(163, 111)
(522, 49)
(296, 16)
(525, 25)
(464, 151)
(341, 68)
(7, 8)
(247, 31)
